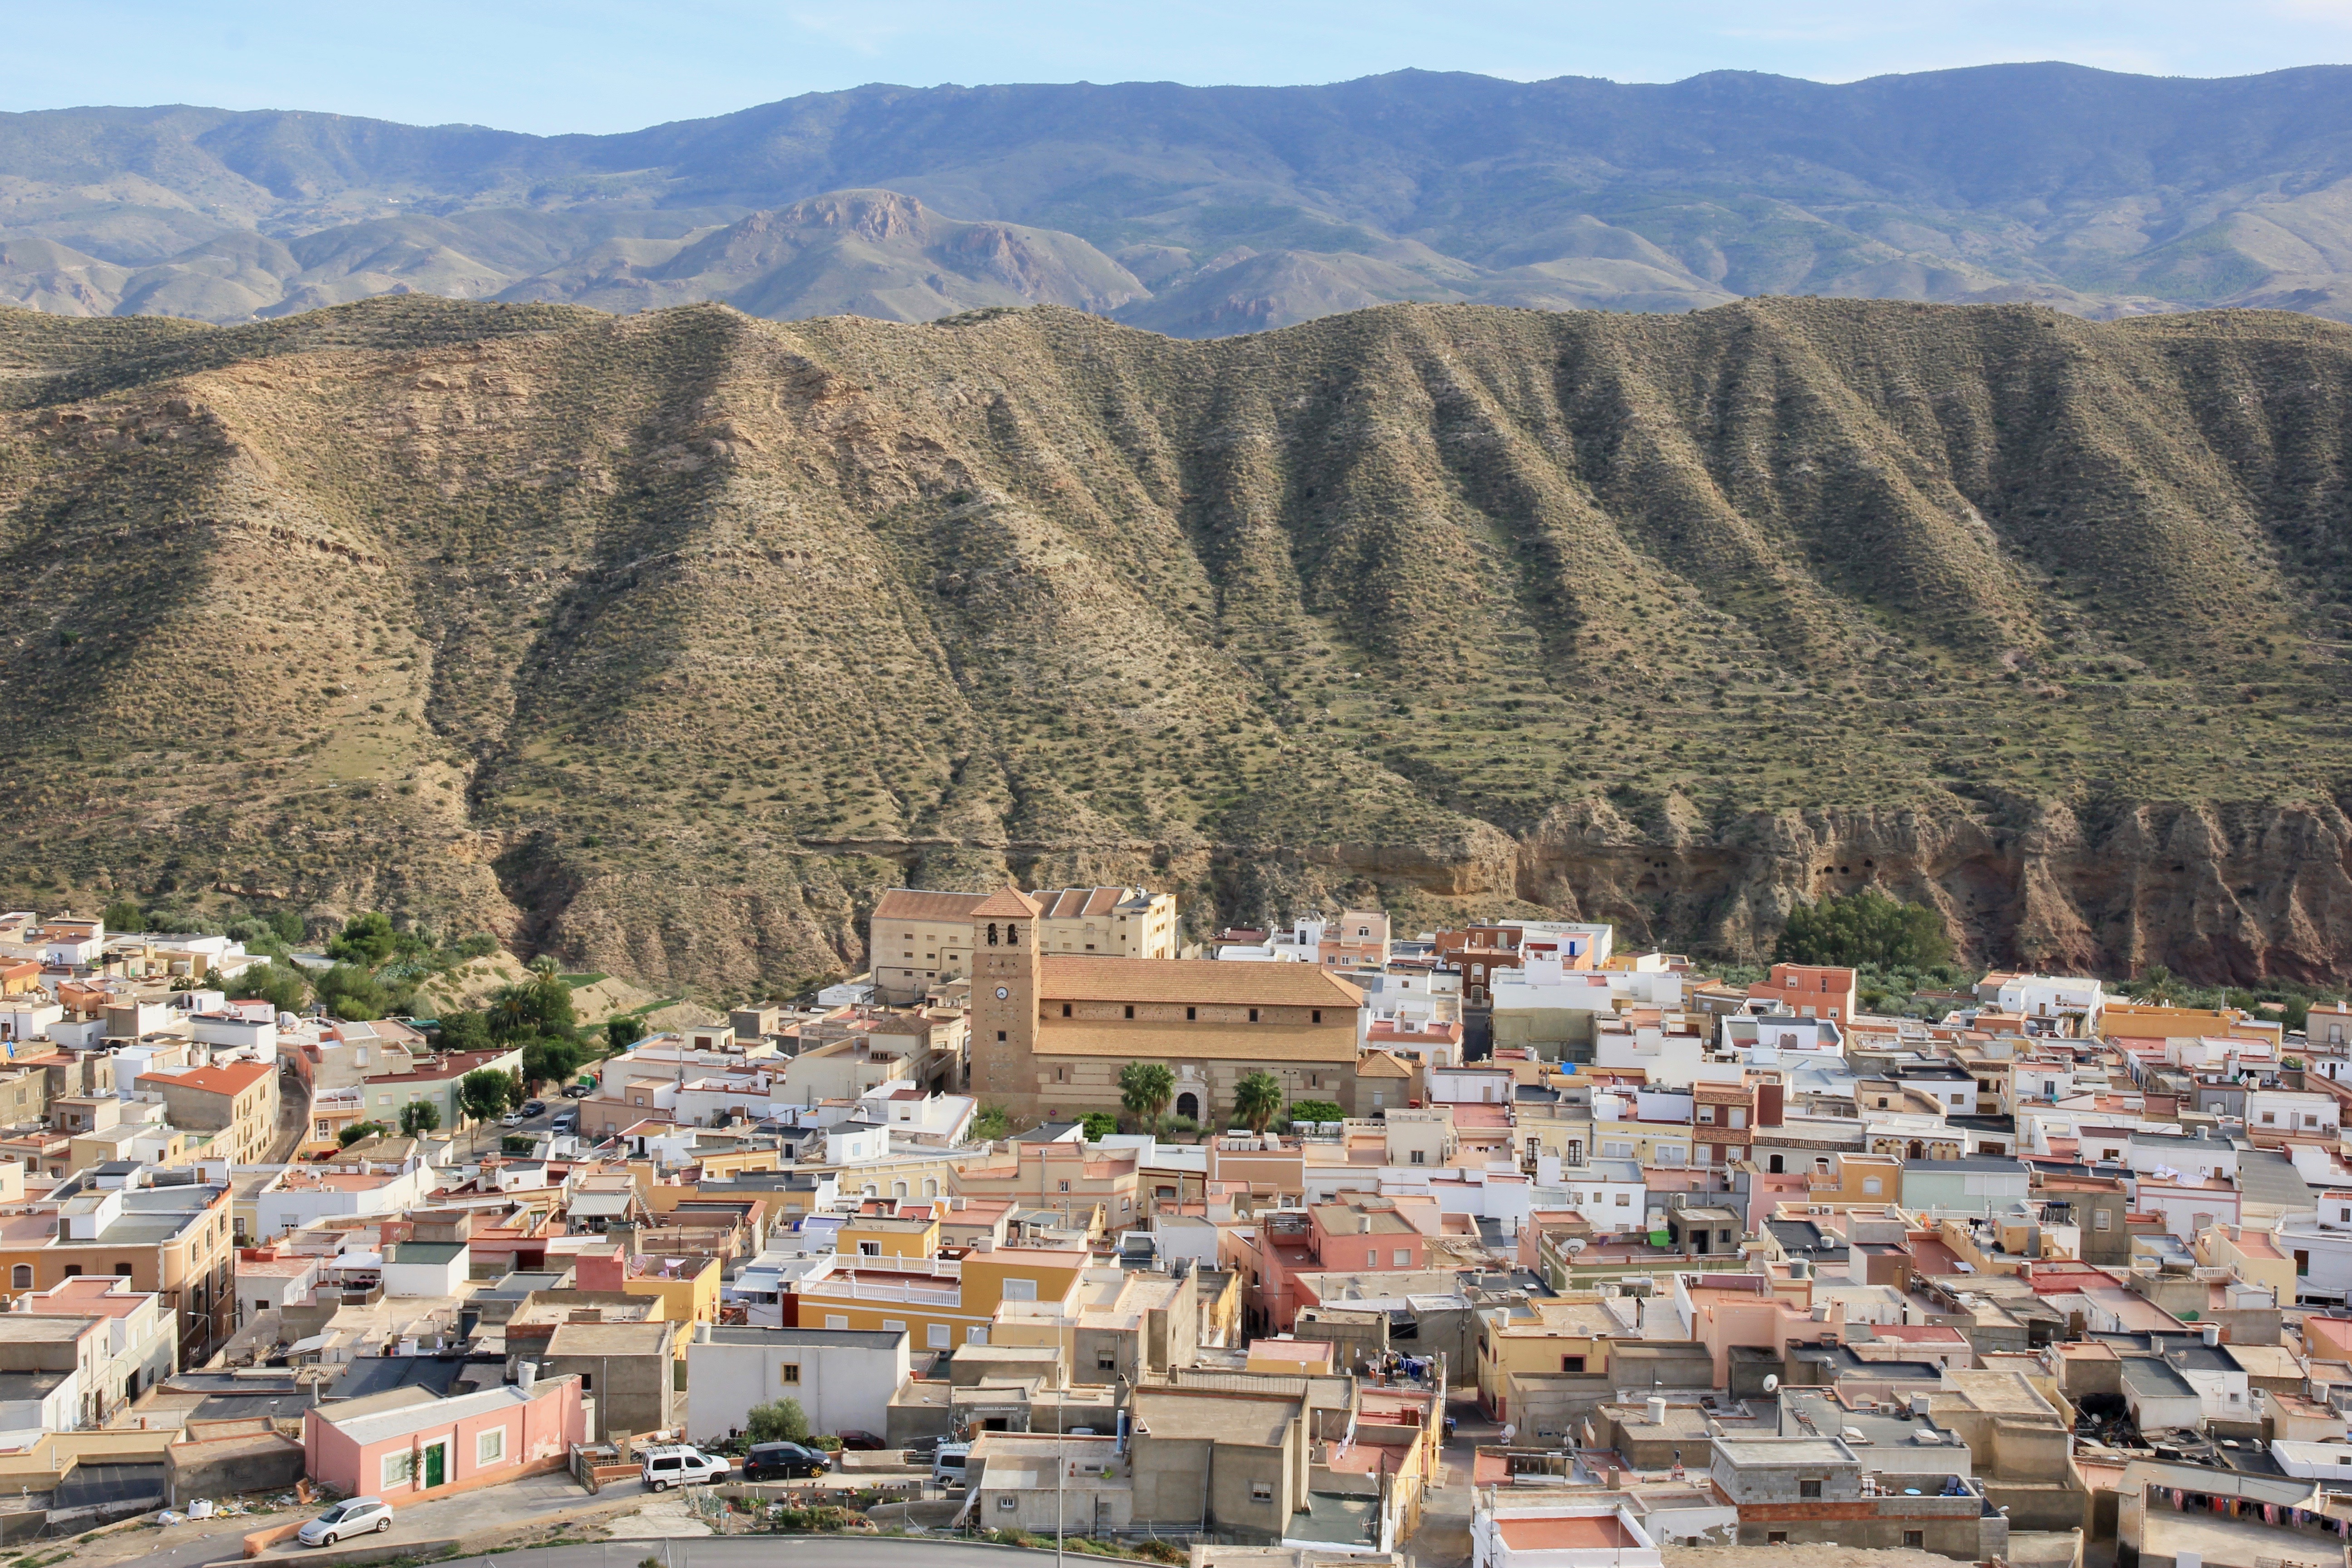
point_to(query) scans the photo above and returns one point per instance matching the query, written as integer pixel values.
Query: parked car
(949, 1465)
(861, 1442)
(352, 1516)
(567, 1123)
(676, 1465)
(511, 1118)
(533, 1107)
(577, 1091)
(782, 1462)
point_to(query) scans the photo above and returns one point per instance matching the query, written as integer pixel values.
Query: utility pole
(1061, 1427)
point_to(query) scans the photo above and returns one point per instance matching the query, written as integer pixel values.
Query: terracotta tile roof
(916, 904)
(1005, 903)
(1064, 904)
(228, 1081)
(1075, 977)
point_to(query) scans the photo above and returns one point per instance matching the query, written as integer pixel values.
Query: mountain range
(1201, 212)
(659, 642)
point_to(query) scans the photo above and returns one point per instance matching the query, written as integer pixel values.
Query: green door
(435, 1457)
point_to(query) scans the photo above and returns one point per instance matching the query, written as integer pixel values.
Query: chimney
(526, 1373)
(2212, 1333)
(1657, 1411)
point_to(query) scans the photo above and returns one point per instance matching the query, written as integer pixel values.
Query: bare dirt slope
(659, 643)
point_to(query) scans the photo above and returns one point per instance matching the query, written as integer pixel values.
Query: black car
(577, 1091)
(533, 1107)
(782, 1462)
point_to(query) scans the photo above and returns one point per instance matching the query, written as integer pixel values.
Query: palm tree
(1257, 1099)
(1144, 1090)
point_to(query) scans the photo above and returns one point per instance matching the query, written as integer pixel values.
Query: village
(1493, 1245)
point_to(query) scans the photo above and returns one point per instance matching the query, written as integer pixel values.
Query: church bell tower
(1004, 970)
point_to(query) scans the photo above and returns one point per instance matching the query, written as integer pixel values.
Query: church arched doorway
(1188, 1105)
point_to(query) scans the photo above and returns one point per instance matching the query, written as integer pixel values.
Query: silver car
(353, 1516)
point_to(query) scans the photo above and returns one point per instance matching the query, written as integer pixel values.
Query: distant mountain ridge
(1207, 211)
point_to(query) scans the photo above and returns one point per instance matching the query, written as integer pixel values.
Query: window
(20, 1277)
(72, 1270)
(1624, 1199)
(1019, 1290)
(1261, 1491)
(1809, 1489)
(1872, 1187)
(1317, 1015)
(1061, 1186)
(836, 1320)
(1105, 1360)
(1253, 1019)
(1130, 1009)
(1066, 1012)
(2102, 1219)
(2269, 1117)
(490, 1447)
(1419, 1157)
(789, 1375)
(1008, 1502)
(978, 1336)
(124, 1270)
(893, 1325)
(869, 1249)
(1401, 1258)
(1191, 1014)
(1915, 1539)
(397, 1471)
(1572, 1363)
(1000, 1037)
(935, 1337)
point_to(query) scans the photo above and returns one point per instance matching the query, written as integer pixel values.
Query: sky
(551, 66)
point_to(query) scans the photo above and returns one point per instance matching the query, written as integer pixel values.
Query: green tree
(1099, 1125)
(419, 1117)
(1315, 1110)
(1257, 1099)
(781, 1421)
(1864, 928)
(623, 1032)
(465, 1029)
(990, 1121)
(1144, 1090)
(545, 1060)
(359, 1130)
(368, 940)
(539, 1005)
(124, 916)
(287, 925)
(486, 1093)
(350, 993)
(280, 984)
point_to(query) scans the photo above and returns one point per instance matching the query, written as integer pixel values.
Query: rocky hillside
(1208, 211)
(659, 642)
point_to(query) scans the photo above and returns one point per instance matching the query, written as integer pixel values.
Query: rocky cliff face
(661, 642)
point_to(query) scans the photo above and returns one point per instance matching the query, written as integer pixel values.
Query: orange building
(1810, 991)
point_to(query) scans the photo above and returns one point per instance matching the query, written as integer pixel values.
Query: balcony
(889, 1291)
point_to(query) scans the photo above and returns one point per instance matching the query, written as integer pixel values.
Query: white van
(676, 1465)
(948, 1464)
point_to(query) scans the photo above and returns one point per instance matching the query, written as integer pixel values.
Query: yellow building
(1051, 1031)
(941, 1302)
(1542, 1336)
(918, 940)
(2250, 1254)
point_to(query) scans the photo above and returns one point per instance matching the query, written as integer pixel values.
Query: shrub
(782, 1421)
(1315, 1110)
(1864, 928)
(122, 915)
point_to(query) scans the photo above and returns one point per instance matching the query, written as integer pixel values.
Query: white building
(2042, 998)
(843, 1378)
(1510, 1529)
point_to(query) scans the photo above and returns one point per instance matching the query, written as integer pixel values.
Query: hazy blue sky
(611, 65)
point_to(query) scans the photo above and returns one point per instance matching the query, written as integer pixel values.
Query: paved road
(293, 1118)
(759, 1552)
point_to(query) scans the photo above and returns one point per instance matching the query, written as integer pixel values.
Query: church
(1051, 1031)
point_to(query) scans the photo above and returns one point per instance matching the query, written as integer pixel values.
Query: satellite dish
(1574, 1246)
(1771, 1383)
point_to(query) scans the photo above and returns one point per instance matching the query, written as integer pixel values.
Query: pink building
(1358, 1234)
(410, 1446)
